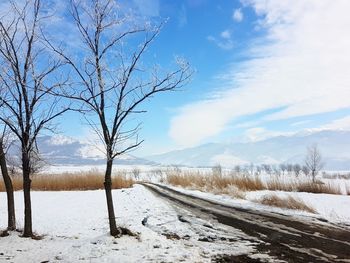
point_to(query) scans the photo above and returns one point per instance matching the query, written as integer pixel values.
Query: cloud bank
(299, 68)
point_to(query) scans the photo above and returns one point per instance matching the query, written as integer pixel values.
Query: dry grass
(216, 183)
(303, 186)
(71, 182)
(318, 188)
(248, 183)
(234, 186)
(288, 202)
(279, 185)
(185, 179)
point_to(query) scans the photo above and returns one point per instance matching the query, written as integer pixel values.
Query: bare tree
(136, 173)
(313, 160)
(11, 215)
(28, 81)
(112, 82)
(283, 167)
(267, 168)
(297, 169)
(306, 170)
(217, 170)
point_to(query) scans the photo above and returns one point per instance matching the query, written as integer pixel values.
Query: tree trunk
(28, 232)
(11, 224)
(114, 231)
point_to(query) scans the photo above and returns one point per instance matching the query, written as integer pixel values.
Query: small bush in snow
(288, 202)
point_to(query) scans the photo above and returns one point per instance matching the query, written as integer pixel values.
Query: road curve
(282, 237)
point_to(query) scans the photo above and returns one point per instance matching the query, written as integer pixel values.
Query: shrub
(288, 202)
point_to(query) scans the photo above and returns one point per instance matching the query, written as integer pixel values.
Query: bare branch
(27, 84)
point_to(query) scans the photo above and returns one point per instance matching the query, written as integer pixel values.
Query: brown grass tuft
(279, 185)
(185, 179)
(246, 183)
(318, 188)
(70, 182)
(288, 202)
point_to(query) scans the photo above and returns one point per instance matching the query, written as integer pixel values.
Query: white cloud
(260, 133)
(224, 41)
(226, 34)
(256, 134)
(237, 15)
(338, 124)
(299, 123)
(61, 140)
(301, 66)
(247, 124)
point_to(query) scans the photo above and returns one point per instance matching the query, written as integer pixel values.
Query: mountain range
(333, 145)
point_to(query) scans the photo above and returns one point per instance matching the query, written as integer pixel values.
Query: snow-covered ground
(335, 208)
(75, 228)
(75, 224)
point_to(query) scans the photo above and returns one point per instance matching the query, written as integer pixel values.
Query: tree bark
(11, 223)
(27, 232)
(114, 231)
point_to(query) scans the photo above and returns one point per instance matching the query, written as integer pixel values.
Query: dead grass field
(220, 184)
(288, 202)
(70, 182)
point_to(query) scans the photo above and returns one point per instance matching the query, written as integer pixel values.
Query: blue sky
(263, 68)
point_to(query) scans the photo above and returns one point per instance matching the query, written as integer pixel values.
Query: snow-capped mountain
(62, 150)
(334, 146)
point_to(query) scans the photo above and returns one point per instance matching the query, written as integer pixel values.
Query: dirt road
(282, 237)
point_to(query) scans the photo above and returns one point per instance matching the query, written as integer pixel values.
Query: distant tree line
(312, 165)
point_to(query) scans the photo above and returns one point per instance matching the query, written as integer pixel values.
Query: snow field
(75, 228)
